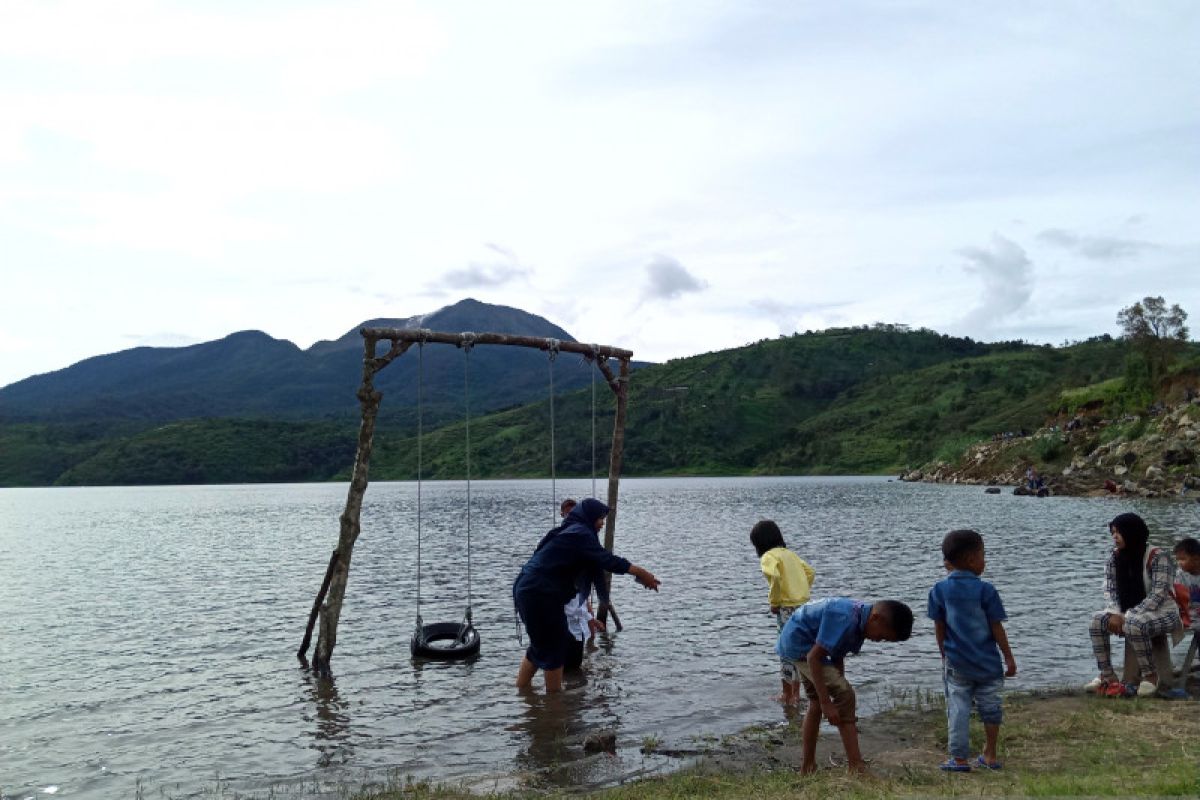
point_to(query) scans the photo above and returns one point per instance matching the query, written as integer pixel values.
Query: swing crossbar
(373, 335)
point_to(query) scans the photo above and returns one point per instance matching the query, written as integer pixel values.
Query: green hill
(844, 401)
(859, 400)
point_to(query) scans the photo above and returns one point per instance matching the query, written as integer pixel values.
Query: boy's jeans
(960, 691)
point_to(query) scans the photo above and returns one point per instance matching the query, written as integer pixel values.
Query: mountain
(252, 375)
(875, 399)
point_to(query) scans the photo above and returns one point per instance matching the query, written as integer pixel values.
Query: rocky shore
(1150, 455)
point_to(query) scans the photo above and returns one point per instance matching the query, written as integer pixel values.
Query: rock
(1128, 458)
(992, 490)
(604, 741)
(1177, 453)
(1129, 486)
(1153, 473)
(1120, 470)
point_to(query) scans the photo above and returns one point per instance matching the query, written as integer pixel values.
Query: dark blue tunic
(565, 559)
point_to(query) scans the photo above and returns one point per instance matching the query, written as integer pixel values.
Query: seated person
(1140, 606)
(1187, 595)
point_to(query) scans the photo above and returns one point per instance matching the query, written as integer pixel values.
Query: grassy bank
(1052, 746)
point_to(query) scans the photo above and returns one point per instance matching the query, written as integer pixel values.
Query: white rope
(595, 369)
(420, 437)
(552, 351)
(468, 343)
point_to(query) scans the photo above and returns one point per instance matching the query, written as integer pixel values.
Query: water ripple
(150, 632)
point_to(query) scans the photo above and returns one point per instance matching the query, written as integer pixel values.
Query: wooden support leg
(302, 653)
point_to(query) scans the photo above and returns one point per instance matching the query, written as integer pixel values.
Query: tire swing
(444, 641)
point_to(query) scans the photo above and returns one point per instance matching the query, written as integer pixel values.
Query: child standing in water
(789, 585)
(968, 620)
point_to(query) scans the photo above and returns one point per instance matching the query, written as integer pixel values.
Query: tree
(1151, 319)
(1157, 333)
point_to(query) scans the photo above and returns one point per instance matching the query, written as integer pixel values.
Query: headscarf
(586, 513)
(1129, 560)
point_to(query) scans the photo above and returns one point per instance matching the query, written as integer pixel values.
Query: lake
(148, 635)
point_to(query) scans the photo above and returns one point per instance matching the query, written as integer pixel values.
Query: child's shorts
(840, 690)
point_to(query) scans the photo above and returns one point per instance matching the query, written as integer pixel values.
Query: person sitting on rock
(1140, 594)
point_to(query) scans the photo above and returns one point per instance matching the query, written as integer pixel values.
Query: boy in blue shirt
(968, 621)
(816, 639)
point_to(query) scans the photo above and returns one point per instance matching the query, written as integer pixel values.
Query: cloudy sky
(671, 177)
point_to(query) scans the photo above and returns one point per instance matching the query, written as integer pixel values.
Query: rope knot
(468, 340)
(552, 348)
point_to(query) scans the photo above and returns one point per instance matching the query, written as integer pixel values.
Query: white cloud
(1007, 275)
(667, 279)
(1098, 248)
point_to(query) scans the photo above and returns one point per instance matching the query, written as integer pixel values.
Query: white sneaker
(1146, 689)
(1094, 684)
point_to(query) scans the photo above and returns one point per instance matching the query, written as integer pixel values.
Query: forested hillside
(858, 400)
(843, 401)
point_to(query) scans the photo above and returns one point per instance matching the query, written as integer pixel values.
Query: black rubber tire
(440, 641)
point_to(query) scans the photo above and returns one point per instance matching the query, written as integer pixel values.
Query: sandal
(953, 765)
(985, 764)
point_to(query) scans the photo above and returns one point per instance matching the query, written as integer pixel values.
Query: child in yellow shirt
(789, 582)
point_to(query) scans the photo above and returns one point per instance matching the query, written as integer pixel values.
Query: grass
(1053, 746)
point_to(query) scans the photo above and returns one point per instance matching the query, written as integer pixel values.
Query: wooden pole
(369, 400)
(459, 339)
(302, 653)
(621, 387)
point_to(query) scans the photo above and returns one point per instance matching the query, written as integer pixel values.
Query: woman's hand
(1116, 623)
(645, 577)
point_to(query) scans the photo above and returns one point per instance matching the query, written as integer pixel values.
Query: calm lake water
(148, 635)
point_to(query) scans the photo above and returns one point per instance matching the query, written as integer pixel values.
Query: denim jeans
(960, 692)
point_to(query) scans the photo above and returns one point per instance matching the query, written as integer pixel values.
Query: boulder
(992, 490)
(602, 741)
(1177, 454)
(1153, 473)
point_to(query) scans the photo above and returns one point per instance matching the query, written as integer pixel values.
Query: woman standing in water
(549, 579)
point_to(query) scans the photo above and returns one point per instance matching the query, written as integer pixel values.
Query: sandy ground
(897, 742)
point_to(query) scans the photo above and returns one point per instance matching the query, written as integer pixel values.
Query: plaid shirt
(1162, 588)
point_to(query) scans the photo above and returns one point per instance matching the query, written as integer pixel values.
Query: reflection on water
(332, 720)
(150, 633)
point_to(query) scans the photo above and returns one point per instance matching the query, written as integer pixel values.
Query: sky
(667, 177)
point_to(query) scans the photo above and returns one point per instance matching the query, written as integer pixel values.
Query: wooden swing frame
(327, 607)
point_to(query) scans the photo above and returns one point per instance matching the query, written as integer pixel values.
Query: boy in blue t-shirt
(816, 640)
(967, 617)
